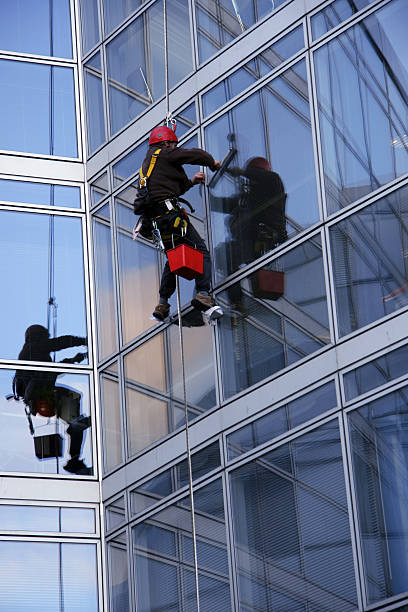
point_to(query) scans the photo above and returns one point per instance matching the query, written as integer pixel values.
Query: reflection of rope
(190, 473)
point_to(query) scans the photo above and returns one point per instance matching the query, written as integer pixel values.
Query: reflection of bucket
(48, 446)
(44, 407)
(185, 261)
(268, 284)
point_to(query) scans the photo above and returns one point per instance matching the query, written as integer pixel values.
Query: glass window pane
(283, 419)
(259, 310)
(135, 60)
(333, 14)
(46, 519)
(379, 441)
(138, 272)
(363, 119)
(38, 112)
(129, 164)
(167, 534)
(33, 246)
(220, 22)
(90, 24)
(78, 520)
(154, 395)
(43, 194)
(369, 263)
(268, 190)
(116, 11)
(292, 543)
(118, 575)
(152, 491)
(42, 27)
(112, 423)
(104, 283)
(99, 188)
(55, 436)
(94, 103)
(115, 513)
(376, 373)
(79, 578)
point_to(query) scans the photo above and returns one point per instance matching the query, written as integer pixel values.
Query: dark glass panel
(369, 263)
(42, 27)
(163, 555)
(262, 311)
(333, 14)
(363, 119)
(46, 431)
(292, 543)
(38, 113)
(99, 188)
(94, 103)
(115, 513)
(267, 190)
(118, 574)
(281, 420)
(379, 444)
(128, 165)
(376, 373)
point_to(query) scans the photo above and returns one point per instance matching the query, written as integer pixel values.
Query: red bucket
(185, 261)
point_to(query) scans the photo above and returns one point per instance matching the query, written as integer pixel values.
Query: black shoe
(77, 466)
(161, 311)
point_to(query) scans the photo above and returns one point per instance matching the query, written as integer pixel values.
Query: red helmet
(259, 162)
(161, 134)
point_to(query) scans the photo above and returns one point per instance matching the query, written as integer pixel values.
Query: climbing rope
(172, 123)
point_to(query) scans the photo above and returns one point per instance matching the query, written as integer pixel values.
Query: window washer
(167, 181)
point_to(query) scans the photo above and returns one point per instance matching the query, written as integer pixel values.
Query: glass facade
(296, 399)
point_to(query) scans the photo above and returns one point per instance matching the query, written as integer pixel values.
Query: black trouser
(168, 279)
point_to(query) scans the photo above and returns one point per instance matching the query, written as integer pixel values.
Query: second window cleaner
(162, 181)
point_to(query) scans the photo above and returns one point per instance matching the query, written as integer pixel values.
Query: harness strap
(153, 159)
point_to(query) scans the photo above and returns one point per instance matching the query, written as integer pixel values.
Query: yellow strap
(150, 168)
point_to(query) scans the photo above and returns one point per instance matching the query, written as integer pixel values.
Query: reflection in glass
(68, 571)
(163, 554)
(112, 422)
(115, 513)
(104, 283)
(369, 262)
(281, 420)
(220, 21)
(138, 271)
(363, 119)
(379, 442)
(247, 220)
(47, 431)
(334, 14)
(258, 67)
(129, 164)
(99, 188)
(35, 247)
(273, 318)
(292, 542)
(94, 103)
(376, 373)
(90, 24)
(154, 389)
(42, 27)
(47, 519)
(118, 574)
(116, 11)
(135, 60)
(38, 113)
(43, 194)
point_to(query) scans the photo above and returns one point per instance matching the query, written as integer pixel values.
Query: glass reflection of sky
(24, 268)
(43, 194)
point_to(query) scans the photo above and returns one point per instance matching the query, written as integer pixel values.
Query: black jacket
(168, 179)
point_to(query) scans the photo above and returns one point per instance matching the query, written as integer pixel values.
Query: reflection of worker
(257, 214)
(43, 397)
(167, 182)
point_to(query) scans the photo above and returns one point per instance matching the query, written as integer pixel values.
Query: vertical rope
(190, 473)
(166, 62)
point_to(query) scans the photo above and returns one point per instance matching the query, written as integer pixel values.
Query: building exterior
(297, 397)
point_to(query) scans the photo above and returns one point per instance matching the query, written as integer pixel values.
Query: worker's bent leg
(167, 283)
(193, 239)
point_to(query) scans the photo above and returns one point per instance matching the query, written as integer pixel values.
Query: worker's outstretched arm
(196, 157)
